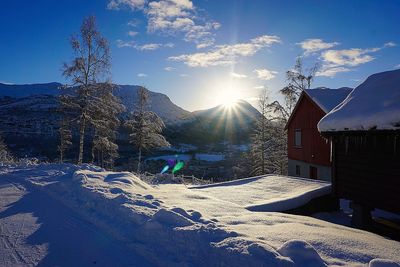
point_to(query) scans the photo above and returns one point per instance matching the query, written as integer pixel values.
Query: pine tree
(145, 127)
(90, 94)
(4, 154)
(105, 123)
(268, 142)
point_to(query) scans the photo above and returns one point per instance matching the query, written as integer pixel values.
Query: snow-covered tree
(145, 127)
(268, 142)
(65, 137)
(90, 92)
(105, 123)
(4, 154)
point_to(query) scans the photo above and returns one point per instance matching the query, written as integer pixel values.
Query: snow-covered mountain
(240, 110)
(32, 93)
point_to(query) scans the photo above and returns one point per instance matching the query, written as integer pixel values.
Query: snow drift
(172, 225)
(375, 104)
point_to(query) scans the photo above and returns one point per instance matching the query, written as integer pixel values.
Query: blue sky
(200, 53)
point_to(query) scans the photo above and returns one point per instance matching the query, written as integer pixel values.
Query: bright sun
(228, 98)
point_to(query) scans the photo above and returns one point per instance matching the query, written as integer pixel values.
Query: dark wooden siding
(367, 169)
(314, 149)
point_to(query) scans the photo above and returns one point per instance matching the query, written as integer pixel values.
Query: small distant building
(365, 134)
(308, 152)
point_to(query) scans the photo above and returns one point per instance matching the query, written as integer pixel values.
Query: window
(297, 137)
(297, 170)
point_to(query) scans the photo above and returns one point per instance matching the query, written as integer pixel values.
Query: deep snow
(375, 104)
(172, 225)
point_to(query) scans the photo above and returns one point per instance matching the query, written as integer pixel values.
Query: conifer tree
(268, 142)
(65, 137)
(4, 154)
(145, 127)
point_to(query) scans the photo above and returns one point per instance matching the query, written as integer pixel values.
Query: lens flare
(165, 169)
(178, 166)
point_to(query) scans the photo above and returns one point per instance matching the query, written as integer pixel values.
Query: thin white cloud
(397, 66)
(238, 75)
(132, 33)
(171, 17)
(143, 47)
(311, 46)
(264, 74)
(184, 75)
(142, 75)
(222, 55)
(132, 4)
(390, 44)
(133, 23)
(169, 68)
(338, 61)
(331, 70)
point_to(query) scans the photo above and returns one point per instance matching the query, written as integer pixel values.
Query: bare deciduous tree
(90, 94)
(298, 79)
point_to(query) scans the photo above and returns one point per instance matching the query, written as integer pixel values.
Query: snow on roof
(327, 98)
(375, 104)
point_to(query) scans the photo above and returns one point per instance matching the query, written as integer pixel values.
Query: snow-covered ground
(173, 225)
(267, 193)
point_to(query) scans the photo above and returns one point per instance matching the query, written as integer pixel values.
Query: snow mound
(268, 192)
(382, 263)
(375, 104)
(301, 253)
(290, 202)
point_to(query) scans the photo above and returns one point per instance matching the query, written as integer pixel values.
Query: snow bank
(268, 192)
(127, 208)
(382, 263)
(302, 253)
(292, 201)
(172, 225)
(375, 104)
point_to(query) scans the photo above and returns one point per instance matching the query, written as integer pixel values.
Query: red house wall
(314, 148)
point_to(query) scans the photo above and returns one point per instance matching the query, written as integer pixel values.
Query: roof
(327, 98)
(324, 98)
(374, 104)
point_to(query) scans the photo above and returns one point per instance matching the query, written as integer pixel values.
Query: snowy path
(49, 234)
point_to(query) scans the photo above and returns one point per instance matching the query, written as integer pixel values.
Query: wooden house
(365, 134)
(308, 152)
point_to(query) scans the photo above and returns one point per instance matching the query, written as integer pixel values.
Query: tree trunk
(61, 156)
(102, 158)
(81, 139)
(140, 159)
